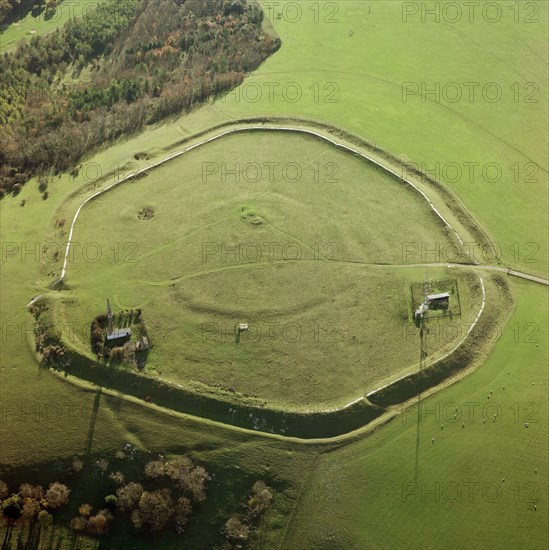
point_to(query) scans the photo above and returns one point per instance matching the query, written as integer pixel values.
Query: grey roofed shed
(440, 296)
(118, 333)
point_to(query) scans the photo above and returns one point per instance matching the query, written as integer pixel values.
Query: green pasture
(379, 490)
(475, 486)
(297, 252)
(362, 66)
(36, 23)
(47, 419)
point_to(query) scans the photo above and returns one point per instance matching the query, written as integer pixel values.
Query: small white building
(439, 298)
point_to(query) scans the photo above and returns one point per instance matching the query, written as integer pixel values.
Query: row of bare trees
(163, 497)
(31, 505)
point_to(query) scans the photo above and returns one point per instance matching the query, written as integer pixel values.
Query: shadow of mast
(93, 419)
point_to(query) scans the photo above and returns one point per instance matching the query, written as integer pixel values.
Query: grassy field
(363, 66)
(46, 420)
(289, 251)
(368, 493)
(39, 24)
(473, 487)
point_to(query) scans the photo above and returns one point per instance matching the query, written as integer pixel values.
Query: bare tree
(137, 519)
(189, 477)
(235, 530)
(57, 495)
(155, 469)
(117, 477)
(129, 495)
(183, 509)
(38, 492)
(99, 523)
(260, 499)
(25, 490)
(102, 464)
(156, 508)
(31, 509)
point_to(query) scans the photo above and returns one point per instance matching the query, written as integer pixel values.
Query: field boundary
(242, 126)
(362, 410)
(219, 136)
(328, 426)
(302, 425)
(460, 343)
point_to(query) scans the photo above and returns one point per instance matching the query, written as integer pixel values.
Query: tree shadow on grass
(93, 419)
(422, 356)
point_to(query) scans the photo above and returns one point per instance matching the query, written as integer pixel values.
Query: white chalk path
(35, 299)
(286, 129)
(337, 144)
(232, 131)
(473, 324)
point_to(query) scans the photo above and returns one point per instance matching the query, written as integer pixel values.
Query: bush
(117, 355)
(102, 320)
(42, 184)
(54, 356)
(260, 499)
(235, 530)
(98, 524)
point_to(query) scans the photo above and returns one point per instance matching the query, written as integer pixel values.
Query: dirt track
(384, 165)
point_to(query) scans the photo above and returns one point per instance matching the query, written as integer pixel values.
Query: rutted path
(355, 405)
(244, 128)
(229, 132)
